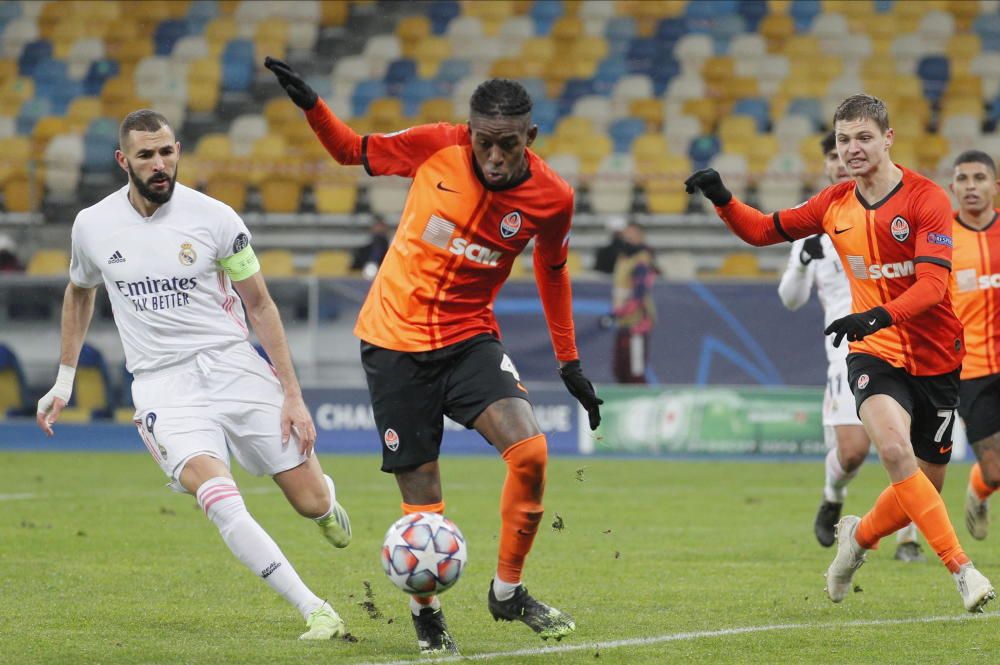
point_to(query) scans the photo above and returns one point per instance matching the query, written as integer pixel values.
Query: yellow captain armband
(241, 265)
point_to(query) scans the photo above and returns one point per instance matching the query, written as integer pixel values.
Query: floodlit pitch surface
(658, 561)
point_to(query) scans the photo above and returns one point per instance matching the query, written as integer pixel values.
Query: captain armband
(241, 265)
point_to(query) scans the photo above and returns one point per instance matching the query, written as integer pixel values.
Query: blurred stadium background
(630, 97)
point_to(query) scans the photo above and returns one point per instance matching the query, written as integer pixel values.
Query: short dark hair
(828, 143)
(863, 107)
(143, 120)
(500, 98)
(977, 156)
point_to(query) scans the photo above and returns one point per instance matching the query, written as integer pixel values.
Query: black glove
(710, 183)
(811, 249)
(582, 389)
(856, 327)
(300, 92)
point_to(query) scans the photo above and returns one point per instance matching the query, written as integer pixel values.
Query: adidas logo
(116, 258)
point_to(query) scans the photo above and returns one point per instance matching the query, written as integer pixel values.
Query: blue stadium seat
(8, 12)
(453, 70)
(168, 33)
(99, 143)
(31, 112)
(535, 87)
(609, 71)
(545, 114)
(669, 30)
(62, 96)
(934, 73)
(573, 90)
(237, 65)
(987, 26)
(441, 14)
(884, 6)
(709, 10)
(753, 12)
(803, 12)
(203, 11)
(416, 92)
(399, 73)
(32, 54)
(642, 55)
(755, 107)
(99, 72)
(624, 131)
(619, 29)
(809, 107)
(544, 14)
(665, 70)
(994, 110)
(364, 93)
(321, 84)
(703, 149)
(724, 28)
(13, 387)
(49, 75)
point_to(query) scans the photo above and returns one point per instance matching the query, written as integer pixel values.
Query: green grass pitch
(100, 563)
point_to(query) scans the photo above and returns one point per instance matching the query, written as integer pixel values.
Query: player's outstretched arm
(748, 223)
(77, 311)
(342, 142)
(266, 322)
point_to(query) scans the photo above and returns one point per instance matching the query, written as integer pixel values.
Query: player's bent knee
(895, 452)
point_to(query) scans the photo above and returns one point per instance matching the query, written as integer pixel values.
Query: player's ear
(890, 135)
(532, 135)
(122, 162)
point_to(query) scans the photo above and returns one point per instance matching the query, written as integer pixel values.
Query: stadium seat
(277, 263)
(47, 262)
(335, 198)
(238, 65)
(934, 73)
(331, 263)
(231, 191)
(21, 193)
(92, 395)
(739, 265)
(13, 388)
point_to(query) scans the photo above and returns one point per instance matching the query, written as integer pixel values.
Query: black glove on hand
(856, 327)
(710, 183)
(300, 92)
(811, 249)
(582, 389)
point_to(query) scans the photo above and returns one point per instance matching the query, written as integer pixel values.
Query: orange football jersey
(975, 293)
(457, 241)
(879, 245)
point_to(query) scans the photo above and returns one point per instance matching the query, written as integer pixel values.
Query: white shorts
(221, 401)
(838, 400)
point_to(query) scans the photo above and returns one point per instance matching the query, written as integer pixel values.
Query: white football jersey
(170, 297)
(832, 287)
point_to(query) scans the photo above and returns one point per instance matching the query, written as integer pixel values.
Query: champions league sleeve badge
(241, 243)
(187, 255)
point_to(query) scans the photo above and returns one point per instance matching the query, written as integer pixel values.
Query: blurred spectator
(633, 308)
(368, 257)
(604, 260)
(8, 258)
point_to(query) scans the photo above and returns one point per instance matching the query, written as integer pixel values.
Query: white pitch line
(17, 497)
(677, 637)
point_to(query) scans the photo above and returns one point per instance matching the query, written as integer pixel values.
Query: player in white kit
(813, 260)
(180, 272)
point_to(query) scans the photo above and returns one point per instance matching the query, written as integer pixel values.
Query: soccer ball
(424, 554)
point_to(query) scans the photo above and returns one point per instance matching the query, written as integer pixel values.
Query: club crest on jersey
(510, 224)
(187, 255)
(391, 440)
(862, 382)
(899, 228)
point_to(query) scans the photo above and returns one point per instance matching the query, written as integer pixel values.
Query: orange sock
(409, 509)
(921, 501)
(978, 484)
(885, 517)
(521, 504)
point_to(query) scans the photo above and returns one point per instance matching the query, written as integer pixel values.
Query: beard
(146, 190)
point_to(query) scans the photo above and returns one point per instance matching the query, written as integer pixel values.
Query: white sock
(333, 497)
(504, 590)
(837, 479)
(221, 500)
(908, 534)
(415, 607)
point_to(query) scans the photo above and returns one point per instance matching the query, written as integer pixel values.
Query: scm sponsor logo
(474, 252)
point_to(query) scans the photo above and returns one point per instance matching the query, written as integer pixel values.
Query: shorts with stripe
(222, 402)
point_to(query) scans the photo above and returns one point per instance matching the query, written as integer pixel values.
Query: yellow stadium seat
(535, 53)
(589, 48)
(411, 30)
(930, 149)
(222, 29)
(649, 110)
(280, 195)
(11, 391)
(649, 147)
(508, 68)
(231, 191)
(705, 110)
(215, 158)
(333, 14)
(280, 112)
(203, 96)
(48, 262)
(574, 128)
(21, 194)
(776, 29)
(732, 128)
(46, 129)
(81, 111)
(592, 151)
(64, 35)
(962, 106)
(436, 109)
(964, 86)
(494, 10)
(964, 12)
(763, 147)
(117, 88)
(336, 198)
(277, 263)
(15, 152)
(566, 29)
(429, 53)
(717, 70)
(740, 265)
(8, 70)
(386, 115)
(331, 263)
(269, 147)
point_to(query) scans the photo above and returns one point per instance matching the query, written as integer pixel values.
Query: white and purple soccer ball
(424, 554)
